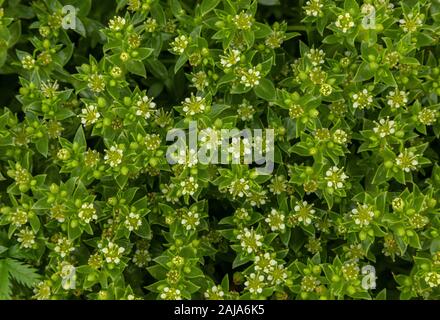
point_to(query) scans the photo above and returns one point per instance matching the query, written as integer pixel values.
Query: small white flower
(150, 24)
(200, 80)
(145, 107)
(255, 283)
(243, 21)
(277, 275)
(214, 293)
(345, 22)
(411, 22)
(170, 294)
(407, 161)
(19, 217)
(250, 77)
(427, 116)
(432, 279)
(189, 186)
(133, 221)
(335, 178)
(178, 46)
(250, 241)
(309, 283)
(210, 138)
(194, 105)
(28, 62)
(304, 212)
(265, 263)
(230, 58)
(26, 238)
(317, 57)
(96, 83)
(313, 8)
(89, 115)
(367, 9)
(43, 290)
(152, 141)
(385, 127)
(240, 147)
(63, 246)
(340, 136)
(362, 215)
(190, 220)
(275, 220)
(117, 23)
(362, 99)
(141, 258)
(397, 98)
(239, 187)
(278, 184)
(245, 111)
(113, 156)
(87, 212)
(112, 252)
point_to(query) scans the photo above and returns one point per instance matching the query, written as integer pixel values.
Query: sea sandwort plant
(218, 149)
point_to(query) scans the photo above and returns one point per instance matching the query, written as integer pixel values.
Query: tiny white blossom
(275, 220)
(230, 58)
(432, 279)
(239, 187)
(243, 21)
(26, 238)
(145, 107)
(28, 62)
(117, 23)
(407, 161)
(362, 99)
(245, 111)
(194, 105)
(250, 77)
(178, 46)
(335, 178)
(63, 246)
(411, 22)
(87, 212)
(317, 57)
(141, 258)
(89, 115)
(345, 22)
(214, 293)
(189, 186)
(340, 136)
(385, 127)
(190, 220)
(133, 221)
(170, 294)
(255, 283)
(112, 252)
(304, 212)
(362, 214)
(397, 98)
(250, 240)
(313, 8)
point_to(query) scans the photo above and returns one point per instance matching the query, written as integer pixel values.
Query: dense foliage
(90, 208)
